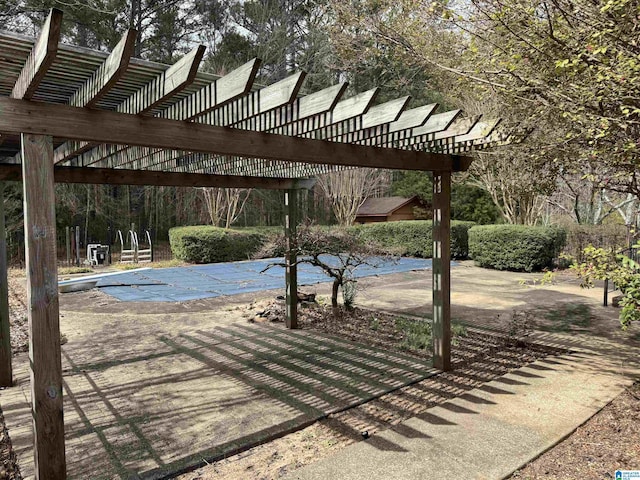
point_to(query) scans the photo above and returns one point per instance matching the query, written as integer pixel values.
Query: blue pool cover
(180, 284)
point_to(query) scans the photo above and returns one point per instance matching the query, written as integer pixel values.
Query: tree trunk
(334, 297)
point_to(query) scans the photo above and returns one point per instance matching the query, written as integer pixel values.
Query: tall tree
(569, 67)
(348, 189)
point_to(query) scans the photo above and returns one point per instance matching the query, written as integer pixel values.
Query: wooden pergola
(74, 115)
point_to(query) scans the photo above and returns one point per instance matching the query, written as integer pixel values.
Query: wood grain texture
(42, 299)
(343, 111)
(246, 112)
(111, 70)
(301, 109)
(96, 87)
(479, 131)
(442, 270)
(215, 95)
(385, 113)
(111, 127)
(6, 372)
(354, 106)
(253, 105)
(269, 116)
(351, 131)
(41, 57)
(291, 267)
(107, 176)
(224, 90)
(176, 78)
(413, 118)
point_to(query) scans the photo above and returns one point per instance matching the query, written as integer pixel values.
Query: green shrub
(413, 238)
(207, 244)
(515, 247)
(460, 239)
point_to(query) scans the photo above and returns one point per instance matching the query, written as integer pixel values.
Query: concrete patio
(192, 381)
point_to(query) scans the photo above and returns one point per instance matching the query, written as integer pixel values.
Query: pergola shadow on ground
(169, 403)
(69, 114)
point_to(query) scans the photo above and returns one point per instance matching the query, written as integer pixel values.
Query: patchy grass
(128, 266)
(161, 264)
(74, 270)
(418, 334)
(167, 263)
(569, 317)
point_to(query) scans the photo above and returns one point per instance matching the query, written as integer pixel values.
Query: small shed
(388, 209)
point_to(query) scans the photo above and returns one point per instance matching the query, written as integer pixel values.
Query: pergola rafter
(272, 111)
(69, 114)
(40, 59)
(160, 89)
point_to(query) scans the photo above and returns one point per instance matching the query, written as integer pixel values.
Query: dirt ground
(284, 455)
(597, 449)
(591, 452)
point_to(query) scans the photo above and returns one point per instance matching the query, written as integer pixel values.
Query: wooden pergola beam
(41, 57)
(478, 135)
(301, 109)
(233, 113)
(343, 110)
(436, 140)
(99, 126)
(385, 133)
(216, 94)
(479, 131)
(164, 86)
(108, 176)
(96, 87)
(348, 130)
(413, 118)
(43, 309)
(108, 74)
(419, 136)
(294, 110)
(253, 105)
(178, 76)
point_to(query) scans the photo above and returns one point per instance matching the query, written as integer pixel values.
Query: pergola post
(441, 270)
(43, 310)
(6, 372)
(291, 274)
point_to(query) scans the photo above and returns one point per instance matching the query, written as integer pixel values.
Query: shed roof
(383, 205)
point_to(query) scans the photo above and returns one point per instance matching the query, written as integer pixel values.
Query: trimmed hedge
(515, 247)
(413, 238)
(207, 244)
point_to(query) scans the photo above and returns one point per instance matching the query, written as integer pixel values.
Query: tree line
(564, 76)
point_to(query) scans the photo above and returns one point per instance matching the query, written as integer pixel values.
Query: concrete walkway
(493, 430)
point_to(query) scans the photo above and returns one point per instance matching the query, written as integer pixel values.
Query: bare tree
(516, 184)
(224, 205)
(336, 251)
(584, 195)
(348, 189)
